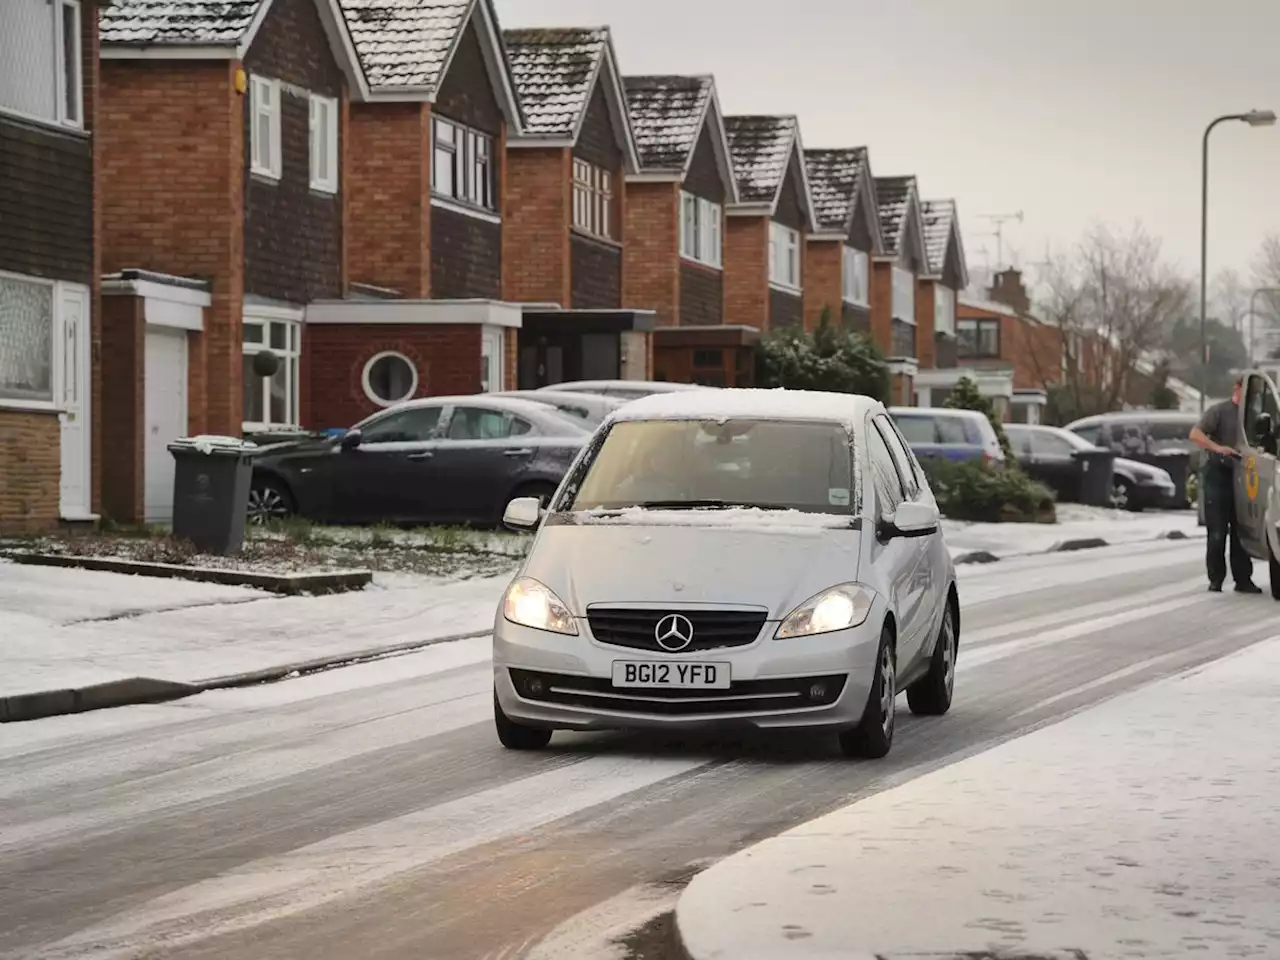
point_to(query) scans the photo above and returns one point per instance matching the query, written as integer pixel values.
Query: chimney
(1007, 288)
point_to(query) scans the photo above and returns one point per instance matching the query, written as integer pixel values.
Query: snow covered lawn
(1075, 522)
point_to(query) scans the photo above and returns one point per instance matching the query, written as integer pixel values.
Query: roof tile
(404, 43)
(760, 147)
(177, 22)
(938, 217)
(666, 115)
(835, 177)
(552, 69)
(893, 197)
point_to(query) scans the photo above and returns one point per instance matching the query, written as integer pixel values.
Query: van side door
(1255, 474)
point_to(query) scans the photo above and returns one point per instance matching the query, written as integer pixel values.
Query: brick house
(937, 291)
(894, 275)
(50, 327)
(565, 210)
(224, 209)
(837, 255)
(675, 209)
(425, 174)
(766, 229)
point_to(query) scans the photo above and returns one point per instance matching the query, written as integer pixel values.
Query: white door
(165, 417)
(74, 387)
(492, 360)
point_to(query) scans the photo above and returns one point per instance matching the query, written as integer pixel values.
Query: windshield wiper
(706, 505)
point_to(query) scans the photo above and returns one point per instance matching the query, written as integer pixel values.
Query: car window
(1258, 399)
(402, 426)
(518, 427)
(1045, 444)
(917, 429)
(951, 430)
(1019, 440)
(1092, 433)
(793, 465)
(884, 475)
(1170, 434)
(910, 483)
(477, 423)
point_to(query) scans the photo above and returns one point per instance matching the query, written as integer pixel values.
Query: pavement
(369, 812)
(1143, 828)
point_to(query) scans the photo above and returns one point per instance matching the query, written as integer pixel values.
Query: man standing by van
(1218, 434)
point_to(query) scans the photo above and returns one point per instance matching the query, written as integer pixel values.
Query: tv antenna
(999, 220)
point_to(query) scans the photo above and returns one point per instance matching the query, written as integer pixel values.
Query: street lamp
(1254, 118)
(1253, 312)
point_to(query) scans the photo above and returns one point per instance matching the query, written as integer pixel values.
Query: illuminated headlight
(839, 608)
(531, 604)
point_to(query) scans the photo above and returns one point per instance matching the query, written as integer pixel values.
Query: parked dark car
(949, 434)
(448, 460)
(1156, 437)
(1051, 455)
(589, 408)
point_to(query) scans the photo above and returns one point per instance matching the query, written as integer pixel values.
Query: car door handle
(421, 455)
(522, 452)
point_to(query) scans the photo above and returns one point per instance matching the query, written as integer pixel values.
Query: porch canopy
(558, 345)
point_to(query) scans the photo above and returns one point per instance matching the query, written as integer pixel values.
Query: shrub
(829, 358)
(977, 490)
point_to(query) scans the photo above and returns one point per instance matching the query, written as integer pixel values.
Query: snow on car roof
(848, 409)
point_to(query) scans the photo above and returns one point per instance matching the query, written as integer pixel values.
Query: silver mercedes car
(749, 558)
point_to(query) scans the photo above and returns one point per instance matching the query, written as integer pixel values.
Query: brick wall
(746, 271)
(447, 358)
(121, 416)
(30, 470)
(536, 219)
(882, 305)
(926, 353)
(89, 66)
(511, 359)
(388, 189)
(651, 264)
(171, 142)
(822, 281)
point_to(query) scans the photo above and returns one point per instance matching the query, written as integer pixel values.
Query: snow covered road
(369, 812)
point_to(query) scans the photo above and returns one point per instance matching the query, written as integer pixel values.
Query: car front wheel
(872, 738)
(931, 695)
(516, 736)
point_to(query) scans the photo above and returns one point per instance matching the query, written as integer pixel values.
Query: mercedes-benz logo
(674, 632)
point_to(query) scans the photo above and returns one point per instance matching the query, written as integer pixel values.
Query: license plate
(705, 676)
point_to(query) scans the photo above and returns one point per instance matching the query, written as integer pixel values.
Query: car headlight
(532, 604)
(839, 608)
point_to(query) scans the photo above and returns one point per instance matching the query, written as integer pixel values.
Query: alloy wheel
(1119, 496)
(888, 690)
(266, 504)
(949, 652)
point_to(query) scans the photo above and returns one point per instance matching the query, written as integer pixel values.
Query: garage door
(166, 416)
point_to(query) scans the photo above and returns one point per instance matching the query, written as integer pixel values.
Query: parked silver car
(589, 408)
(624, 389)
(765, 558)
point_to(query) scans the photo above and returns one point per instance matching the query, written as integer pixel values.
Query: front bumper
(773, 682)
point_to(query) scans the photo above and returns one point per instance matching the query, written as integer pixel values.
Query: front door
(164, 417)
(1255, 475)
(492, 360)
(74, 364)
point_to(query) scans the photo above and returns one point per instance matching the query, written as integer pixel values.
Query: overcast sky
(1073, 113)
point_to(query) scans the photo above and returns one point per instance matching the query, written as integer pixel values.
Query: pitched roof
(553, 69)
(835, 177)
(938, 217)
(761, 149)
(893, 198)
(177, 22)
(667, 115)
(405, 43)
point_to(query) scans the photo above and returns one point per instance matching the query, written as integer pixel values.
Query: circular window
(389, 378)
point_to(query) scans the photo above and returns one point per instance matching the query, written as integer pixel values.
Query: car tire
(1274, 564)
(872, 738)
(516, 736)
(1122, 496)
(930, 696)
(269, 499)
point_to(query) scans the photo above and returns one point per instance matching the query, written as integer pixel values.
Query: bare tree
(1106, 305)
(1230, 299)
(1266, 274)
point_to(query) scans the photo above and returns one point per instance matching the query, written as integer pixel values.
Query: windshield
(690, 464)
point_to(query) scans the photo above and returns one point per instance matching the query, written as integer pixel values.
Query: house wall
(122, 413)
(171, 143)
(596, 264)
(823, 289)
(293, 234)
(536, 216)
(388, 182)
(926, 352)
(704, 178)
(30, 470)
(447, 357)
(701, 295)
(652, 270)
(746, 271)
(881, 318)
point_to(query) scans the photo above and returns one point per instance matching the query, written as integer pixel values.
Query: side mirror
(910, 520)
(523, 513)
(351, 439)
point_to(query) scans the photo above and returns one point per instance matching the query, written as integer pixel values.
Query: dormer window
(700, 230)
(592, 199)
(784, 256)
(462, 165)
(904, 295)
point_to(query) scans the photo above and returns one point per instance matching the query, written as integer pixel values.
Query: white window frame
(700, 230)
(784, 257)
(944, 305)
(265, 160)
(368, 387)
(855, 276)
(472, 173)
(324, 144)
(592, 199)
(64, 114)
(904, 285)
(55, 341)
(290, 355)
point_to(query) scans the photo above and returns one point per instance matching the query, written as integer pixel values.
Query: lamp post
(1255, 118)
(1253, 312)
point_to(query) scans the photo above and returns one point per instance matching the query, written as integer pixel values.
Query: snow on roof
(666, 115)
(761, 149)
(848, 409)
(404, 43)
(177, 22)
(893, 197)
(835, 177)
(939, 216)
(553, 68)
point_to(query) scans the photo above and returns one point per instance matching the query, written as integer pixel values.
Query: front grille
(712, 629)
(744, 696)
